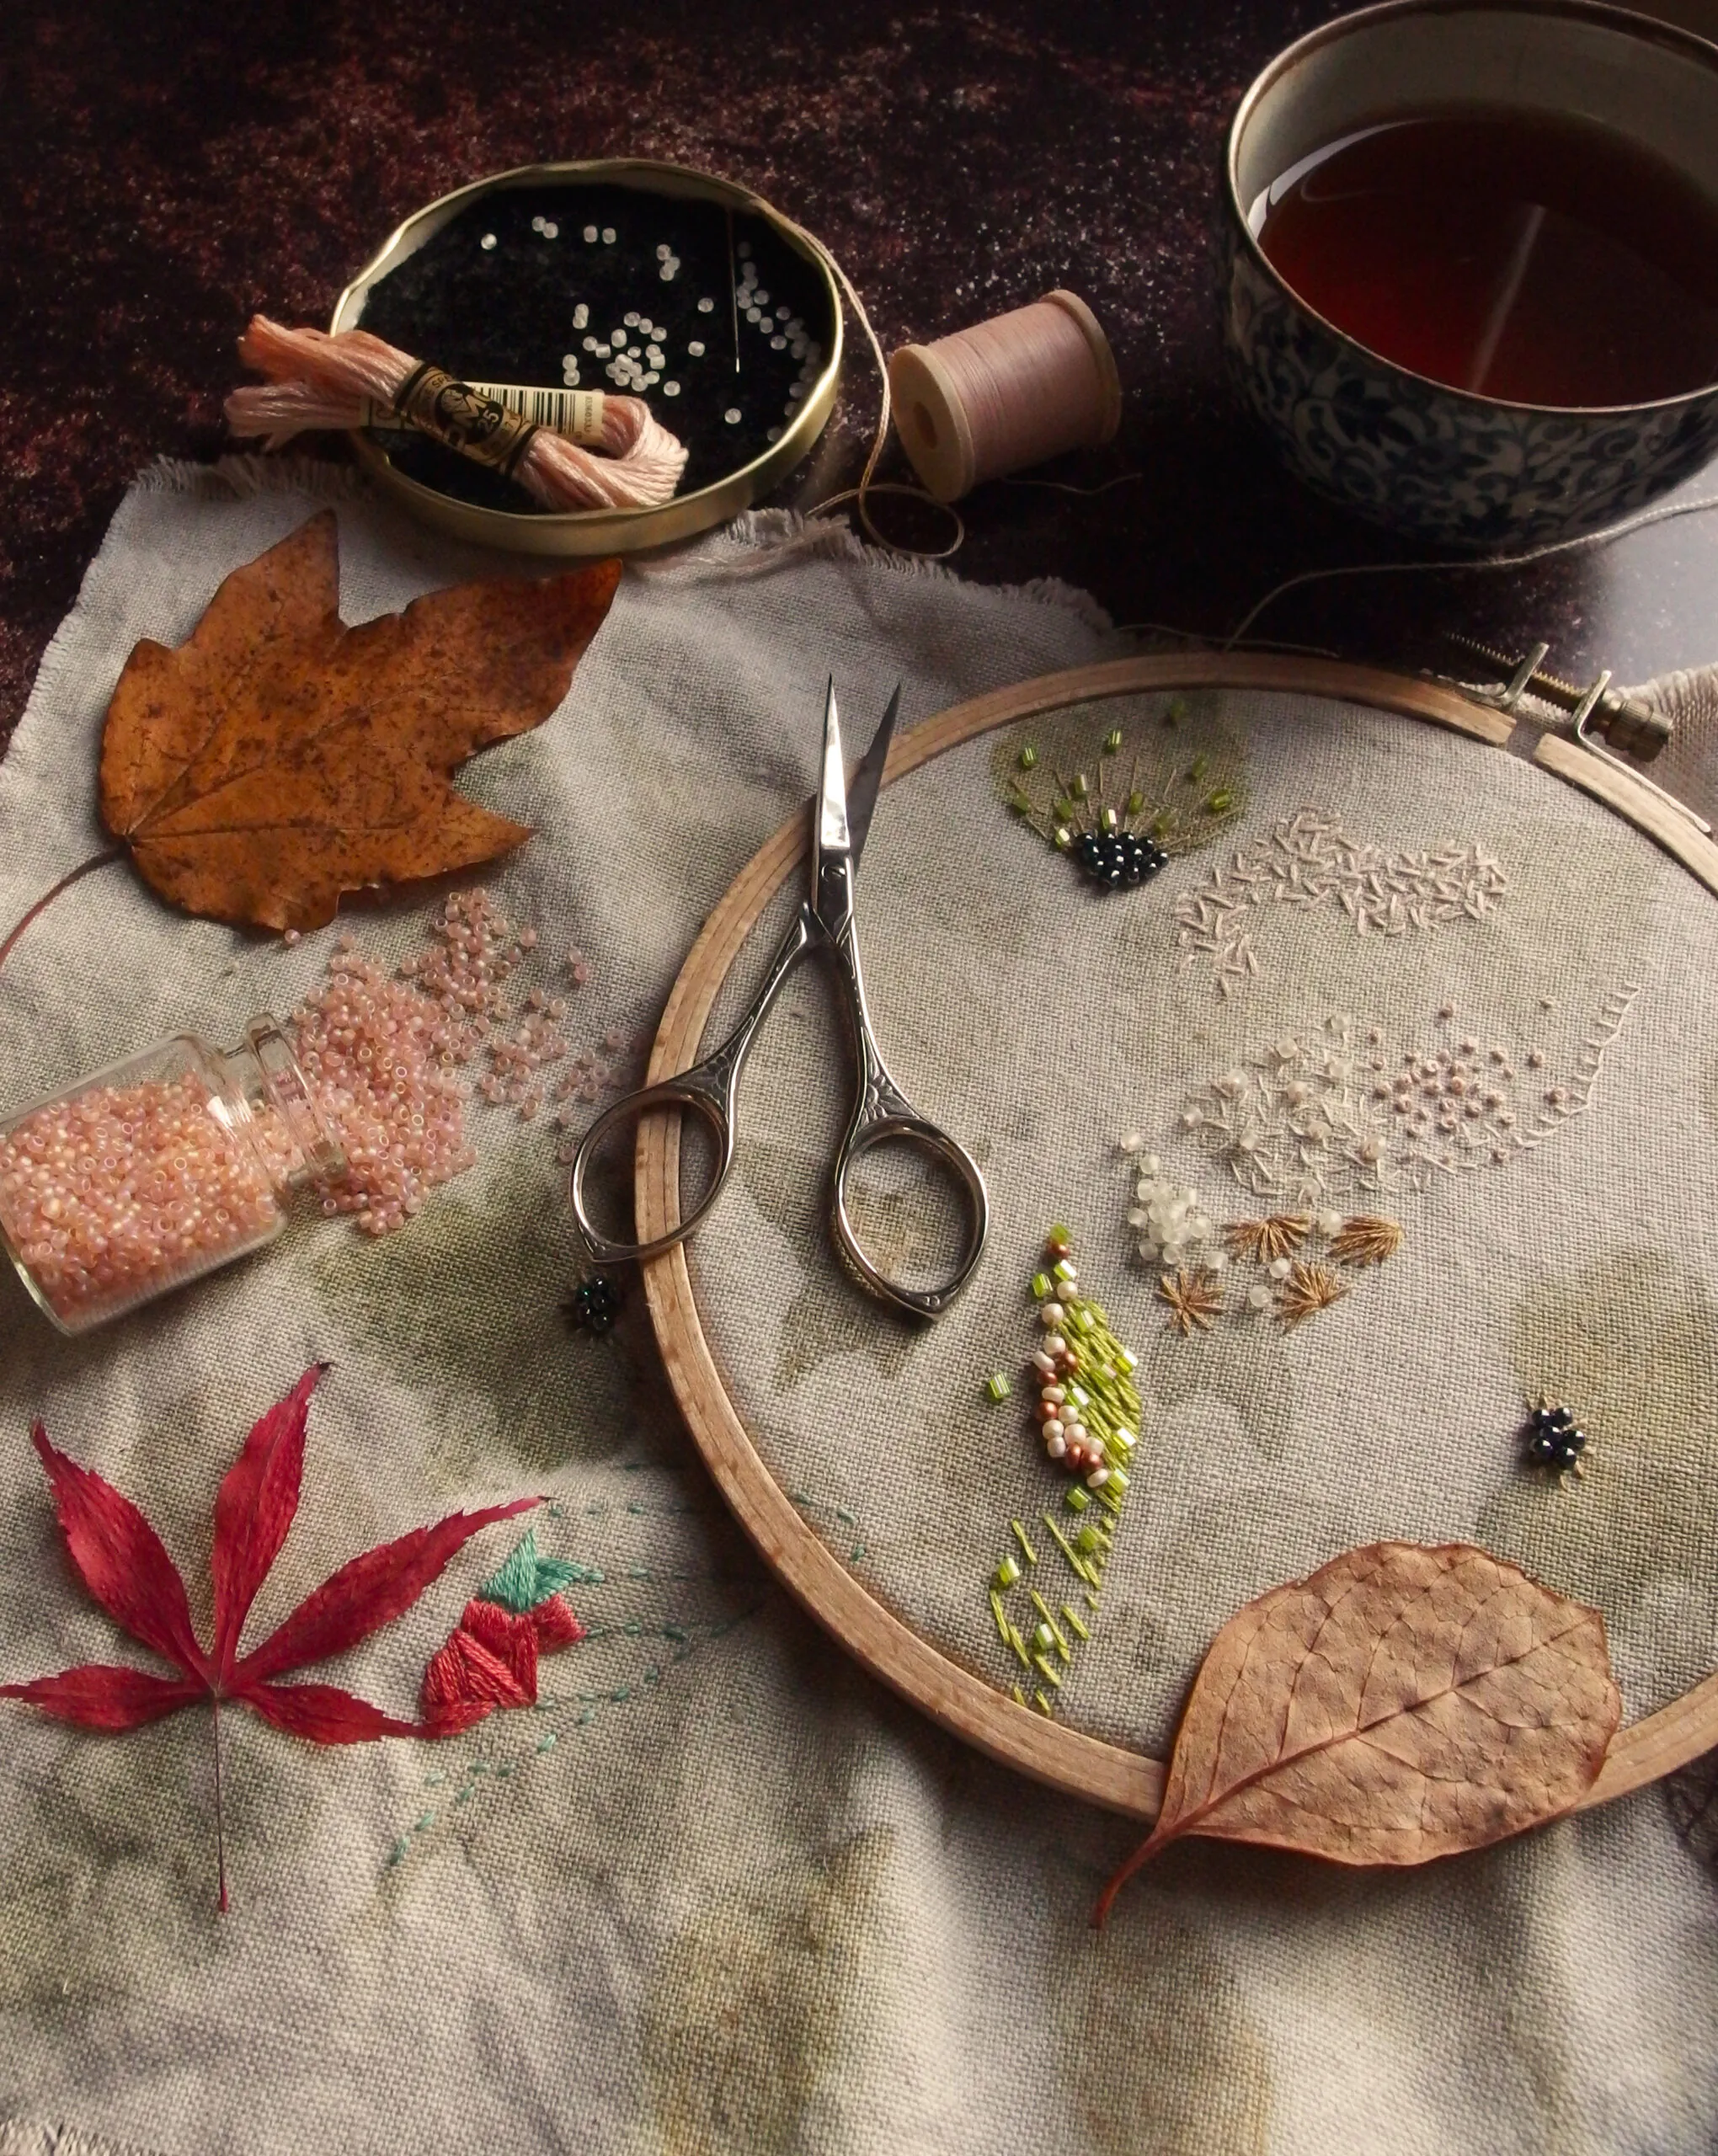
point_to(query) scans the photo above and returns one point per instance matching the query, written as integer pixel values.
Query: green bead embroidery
(1180, 802)
(1103, 1398)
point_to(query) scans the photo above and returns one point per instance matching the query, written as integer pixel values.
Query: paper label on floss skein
(575, 414)
(463, 419)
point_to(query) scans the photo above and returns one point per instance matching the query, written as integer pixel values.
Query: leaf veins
(123, 1564)
(1400, 1704)
(279, 759)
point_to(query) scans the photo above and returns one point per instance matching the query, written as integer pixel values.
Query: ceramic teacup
(1442, 466)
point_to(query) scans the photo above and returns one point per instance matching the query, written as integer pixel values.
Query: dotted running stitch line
(838, 1513)
(1310, 860)
(1301, 1120)
(493, 1764)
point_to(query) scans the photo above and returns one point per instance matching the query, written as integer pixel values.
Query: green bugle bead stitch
(1097, 1374)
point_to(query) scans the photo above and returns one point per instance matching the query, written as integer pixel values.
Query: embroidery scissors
(881, 1112)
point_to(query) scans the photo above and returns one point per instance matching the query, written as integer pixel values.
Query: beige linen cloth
(720, 1892)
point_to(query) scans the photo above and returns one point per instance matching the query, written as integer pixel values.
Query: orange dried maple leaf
(1402, 1703)
(279, 759)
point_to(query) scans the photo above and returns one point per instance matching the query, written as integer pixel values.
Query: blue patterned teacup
(1444, 466)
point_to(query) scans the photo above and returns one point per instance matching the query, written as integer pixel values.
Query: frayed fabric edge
(759, 540)
(239, 478)
(1688, 696)
(755, 543)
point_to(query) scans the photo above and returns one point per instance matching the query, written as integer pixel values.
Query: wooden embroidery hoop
(1087, 1767)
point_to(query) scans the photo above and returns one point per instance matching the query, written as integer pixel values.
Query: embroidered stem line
(570, 1711)
(814, 1507)
(1044, 1599)
(1309, 861)
(664, 1640)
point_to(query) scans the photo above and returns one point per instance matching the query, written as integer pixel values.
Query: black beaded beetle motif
(1554, 1438)
(1118, 860)
(592, 1306)
(1118, 830)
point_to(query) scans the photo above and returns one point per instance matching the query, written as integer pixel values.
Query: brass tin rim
(617, 531)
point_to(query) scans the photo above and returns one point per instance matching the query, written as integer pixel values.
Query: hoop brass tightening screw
(1627, 722)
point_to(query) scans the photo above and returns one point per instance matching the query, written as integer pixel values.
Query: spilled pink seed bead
(114, 1195)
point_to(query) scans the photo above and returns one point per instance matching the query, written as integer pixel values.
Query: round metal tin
(600, 531)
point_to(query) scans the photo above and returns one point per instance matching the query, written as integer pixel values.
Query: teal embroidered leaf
(125, 1565)
(527, 1578)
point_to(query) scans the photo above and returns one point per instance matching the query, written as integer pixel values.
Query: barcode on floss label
(576, 413)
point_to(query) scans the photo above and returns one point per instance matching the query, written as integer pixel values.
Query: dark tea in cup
(1534, 258)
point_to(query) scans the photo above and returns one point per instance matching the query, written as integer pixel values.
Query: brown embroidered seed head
(1366, 1239)
(1311, 1286)
(1194, 1300)
(1263, 1240)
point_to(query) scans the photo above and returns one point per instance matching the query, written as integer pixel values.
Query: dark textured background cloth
(166, 170)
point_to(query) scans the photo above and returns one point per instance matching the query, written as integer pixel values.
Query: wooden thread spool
(1006, 393)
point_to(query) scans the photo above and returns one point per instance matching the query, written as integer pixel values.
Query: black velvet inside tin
(495, 295)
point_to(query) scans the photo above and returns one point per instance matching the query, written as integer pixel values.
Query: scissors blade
(861, 797)
(833, 837)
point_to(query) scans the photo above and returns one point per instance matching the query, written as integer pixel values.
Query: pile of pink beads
(380, 1055)
(114, 1193)
(117, 1193)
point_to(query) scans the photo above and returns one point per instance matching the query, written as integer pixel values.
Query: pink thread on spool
(1004, 394)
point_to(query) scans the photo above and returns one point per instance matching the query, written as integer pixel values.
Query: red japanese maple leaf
(121, 1561)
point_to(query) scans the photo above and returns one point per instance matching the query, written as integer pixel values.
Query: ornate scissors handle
(882, 1115)
(710, 1089)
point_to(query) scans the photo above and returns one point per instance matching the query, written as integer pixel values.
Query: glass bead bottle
(157, 1171)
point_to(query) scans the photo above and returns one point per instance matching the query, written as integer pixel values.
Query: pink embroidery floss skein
(1004, 394)
(355, 380)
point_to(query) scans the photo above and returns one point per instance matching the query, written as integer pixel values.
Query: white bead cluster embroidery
(1309, 861)
(1304, 1120)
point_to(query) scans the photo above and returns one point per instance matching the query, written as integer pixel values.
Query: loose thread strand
(1662, 515)
(1066, 486)
(861, 494)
